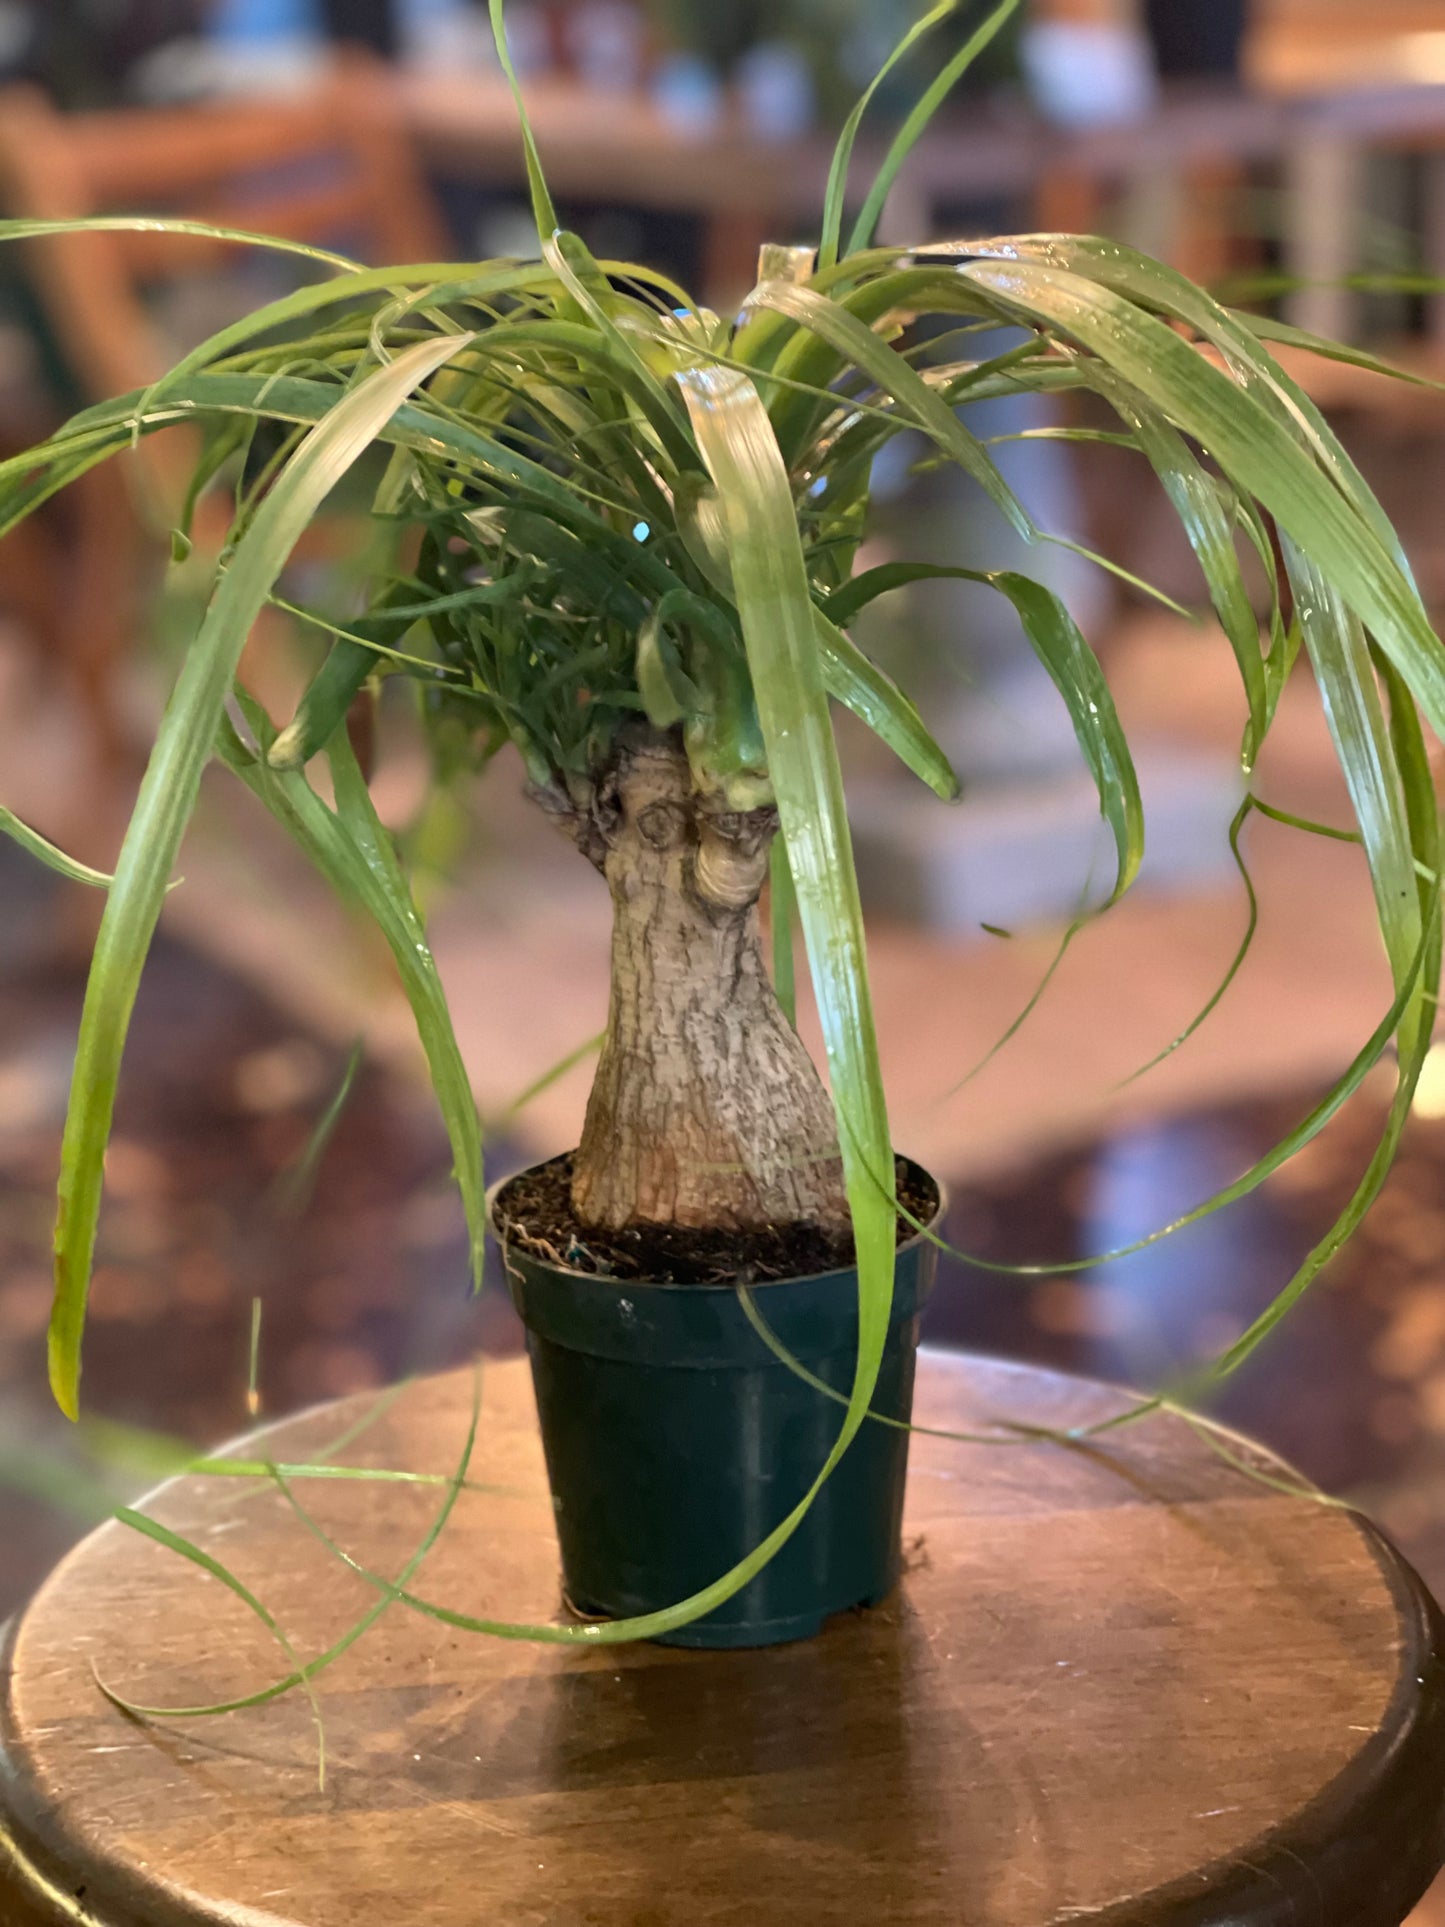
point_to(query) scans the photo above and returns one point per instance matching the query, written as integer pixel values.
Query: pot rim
(927, 1235)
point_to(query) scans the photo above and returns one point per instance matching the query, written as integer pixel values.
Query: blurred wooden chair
(331, 166)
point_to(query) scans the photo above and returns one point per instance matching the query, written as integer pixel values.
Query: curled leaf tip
(64, 1377)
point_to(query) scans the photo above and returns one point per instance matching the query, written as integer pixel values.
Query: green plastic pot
(676, 1440)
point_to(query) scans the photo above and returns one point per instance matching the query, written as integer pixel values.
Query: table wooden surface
(1123, 1683)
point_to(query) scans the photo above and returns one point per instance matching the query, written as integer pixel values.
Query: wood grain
(1124, 1683)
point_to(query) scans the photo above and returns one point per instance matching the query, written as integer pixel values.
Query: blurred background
(1291, 153)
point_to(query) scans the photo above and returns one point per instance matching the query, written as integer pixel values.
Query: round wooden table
(1121, 1682)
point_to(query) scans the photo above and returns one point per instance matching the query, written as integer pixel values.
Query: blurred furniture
(1363, 80)
(1335, 135)
(1314, 46)
(363, 23)
(1122, 1680)
(331, 166)
(1197, 36)
(1311, 121)
(608, 148)
(86, 56)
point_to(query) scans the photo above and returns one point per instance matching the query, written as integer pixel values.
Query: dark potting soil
(535, 1211)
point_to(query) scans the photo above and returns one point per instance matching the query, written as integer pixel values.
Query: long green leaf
(1242, 949)
(163, 808)
(305, 1674)
(208, 1563)
(1344, 1226)
(106, 429)
(1207, 524)
(567, 256)
(837, 187)
(907, 136)
(863, 349)
(1266, 328)
(343, 673)
(782, 914)
(293, 1186)
(1279, 1154)
(1255, 450)
(860, 685)
(543, 212)
(1158, 288)
(436, 279)
(852, 677)
(592, 1633)
(30, 230)
(352, 850)
(1060, 646)
(1341, 661)
(40, 847)
(1420, 983)
(771, 585)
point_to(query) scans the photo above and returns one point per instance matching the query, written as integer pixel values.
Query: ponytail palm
(624, 534)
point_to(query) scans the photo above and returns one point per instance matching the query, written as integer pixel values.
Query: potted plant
(621, 535)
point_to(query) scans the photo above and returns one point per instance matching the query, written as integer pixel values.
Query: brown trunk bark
(706, 1110)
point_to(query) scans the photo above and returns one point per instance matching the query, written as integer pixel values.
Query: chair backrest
(330, 166)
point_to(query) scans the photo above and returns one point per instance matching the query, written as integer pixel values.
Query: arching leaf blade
(1267, 328)
(776, 610)
(30, 229)
(1157, 288)
(350, 847)
(1418, 983)
(1340, 658)
(837, 187)
(187, 1549)
(40, 847)
(1254, 449)
(1195, 498)
(782, 915)
(861, 348)
(167, 797)
(543, 212)
(922, 113)
(860, 685)
(1074, 670)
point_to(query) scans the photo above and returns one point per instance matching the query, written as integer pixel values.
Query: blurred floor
(362, 1277)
